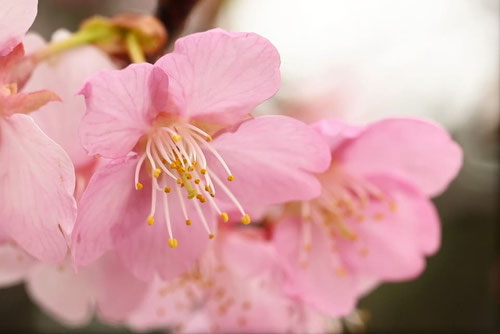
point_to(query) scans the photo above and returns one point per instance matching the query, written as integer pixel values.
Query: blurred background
(361, 61)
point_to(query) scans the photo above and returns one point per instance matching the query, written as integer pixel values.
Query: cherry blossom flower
(374, 221)
(37, 209)
(183, 148)
(228, 292)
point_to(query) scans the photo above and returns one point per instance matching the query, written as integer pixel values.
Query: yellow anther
(203, 171)
(167, 190)
(151, 220)
(179, 181)
(246, 219)
(163, 161)
(211, 236)
(173, 165)
(203, 199)
(157, 172)
(364, 252)
(230, 178)
(189, 176)
(393, 207)
(188, 222)
(209, 138)
(176, 137)
(341, 271)
(197, 181)
(246, 305)
(225, 217)
(173, 243)
(139, 186)
(190, 168)
(212, 194)
(207, 188)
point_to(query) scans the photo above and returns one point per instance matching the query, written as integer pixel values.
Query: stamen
(137, 170)
(230, 195)
(214, 152)
(183, 205)
(202, 217)
(171, 241)
(151, 219)
(200, 131)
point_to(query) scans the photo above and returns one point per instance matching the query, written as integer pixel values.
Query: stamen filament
(214, 152)
(137, 171)
(228, 193)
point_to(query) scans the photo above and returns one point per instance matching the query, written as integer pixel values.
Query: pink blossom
(178, 132)
(37, 209)
(228, 292)
(373, 221)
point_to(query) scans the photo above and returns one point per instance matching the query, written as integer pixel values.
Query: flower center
(177, 161)
(346, 201)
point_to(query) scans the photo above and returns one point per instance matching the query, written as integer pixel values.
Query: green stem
(77, 39)
(134, 48)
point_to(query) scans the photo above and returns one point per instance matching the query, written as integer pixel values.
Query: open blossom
(373, 221)
(37, 209)
(228, 292)
(183, 149)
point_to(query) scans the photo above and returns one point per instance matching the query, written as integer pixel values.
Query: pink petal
(257, 308)
(65, 76)
(318, 277)
(15, 264)
(220, 77)
(417, 150)
(248, 285)
(167, 304)
(15, 19)
(392, 244)
(8, 62)
(121, 106)
(234, 250)
(24, 103)
(37, 208)
(146, 250)
(336, 132)
(108, 202)
(61, 293)
(272, 159)
(117, 292)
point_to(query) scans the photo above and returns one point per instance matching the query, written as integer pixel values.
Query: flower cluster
(152, 197)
